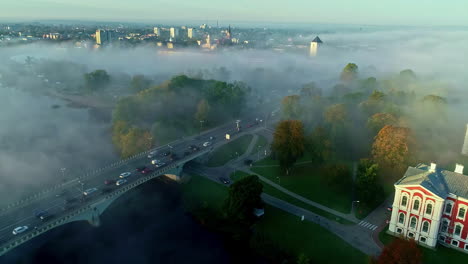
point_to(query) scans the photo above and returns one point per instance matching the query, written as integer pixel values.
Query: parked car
(125, 174)
(90, 191)
(19, 230)
(120, 182)
(224, 180)
(206, 144)
(109, 182)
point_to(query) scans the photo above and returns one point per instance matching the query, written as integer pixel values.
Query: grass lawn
(308, 181)
(440, 255)
(227, 152)
(237, 175)
(201, 191)
(298, 237)
(261, 143)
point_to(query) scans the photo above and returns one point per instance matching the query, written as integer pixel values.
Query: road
(55, 203)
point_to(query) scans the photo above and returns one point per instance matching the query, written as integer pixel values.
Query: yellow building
(190, 33)
(157, 31)
(174, 32)
(99, 36)
(314, 45)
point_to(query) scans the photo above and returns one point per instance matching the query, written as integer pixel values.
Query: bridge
(90, 207)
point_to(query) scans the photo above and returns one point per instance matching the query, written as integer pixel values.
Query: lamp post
(237, 125)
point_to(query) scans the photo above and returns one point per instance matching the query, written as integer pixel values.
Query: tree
(337, 176)
(349, 73)
(374, 104)
(243, 198)
(377, 121)
(393, 147)
(97, 79)
(407, 75)
(288, 143)
(139, 83)
(369, 191)
(291, 107)
(336, 114)
(310, 90)
(203, 110)
(400, 251)
(320, 145)
(303, 259)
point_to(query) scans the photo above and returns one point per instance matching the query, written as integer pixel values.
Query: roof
(317, 39)
(441, 182)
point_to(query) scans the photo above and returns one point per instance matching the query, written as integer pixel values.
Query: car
(19, 230)
(90, 191)
(109, 182)
(152, 154)
(141, 168)
(389, 208)
(167, 153)
(224, 180)
(212, 138)
(155, 161)
(248, 162)
(120, 182)
(160, 164)
(146, 171)
(206, 144)
(193, 148)
(125, 174)
(173, 156)
(41, 214)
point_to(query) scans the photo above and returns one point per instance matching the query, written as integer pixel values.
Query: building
(51, 36)
(174, 32)
(157, 31)
(104, 37)
(314, 45)
(465, 144)
(190, 33)
(430, 205)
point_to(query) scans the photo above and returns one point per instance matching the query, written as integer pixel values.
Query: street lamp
(201, 125)
(237, 124)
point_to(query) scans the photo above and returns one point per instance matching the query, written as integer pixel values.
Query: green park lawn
(309, 181)
(299, 237)
(237, 175)
(227, 152)
(284, 229)
(430, 256)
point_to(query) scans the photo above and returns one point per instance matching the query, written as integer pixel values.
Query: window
(461, 213)
(401, 218)
(404, 201)
(442, 238)
(399, 230)
(425, 227)
(458, 229)
(448, 208)
(466, 246)
(413, 222)
(410, 234)
(444, 226)
(429, 209)
(455, 243)
(423, 239)
(416, 205)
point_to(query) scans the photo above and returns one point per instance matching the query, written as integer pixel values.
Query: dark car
(109, 182)
(212, 138)
(42, 214)
(141, 168)
(248, 162)
(224, 180)
(146, 171)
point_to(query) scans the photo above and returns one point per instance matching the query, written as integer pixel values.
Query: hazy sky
(377, 12)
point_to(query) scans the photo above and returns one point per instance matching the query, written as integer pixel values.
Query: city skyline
(398, 12)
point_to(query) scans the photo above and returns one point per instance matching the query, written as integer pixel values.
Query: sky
(370, 12)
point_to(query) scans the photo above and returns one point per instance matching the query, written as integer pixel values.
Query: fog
(37, 139)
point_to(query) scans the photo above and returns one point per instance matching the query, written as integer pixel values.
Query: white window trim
(401, 231)
(416, 226)
(461, 230)
(407, 200)
(442, 225)
(451, 209)
(425, 239)
(443, 238)
(414, 235)
(432, 210)
(466, 211)
(404, 218)
(458, 243)
(466, 246)
(416, 198)
(428, 228)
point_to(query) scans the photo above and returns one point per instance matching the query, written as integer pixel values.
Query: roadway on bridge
(54, 203)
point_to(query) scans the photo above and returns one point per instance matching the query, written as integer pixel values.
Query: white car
(120, 182)
(19, 230)
(154, 162)
(125, 174)
(152, 154)
(206, 144)
(90, 191)
(159, 164)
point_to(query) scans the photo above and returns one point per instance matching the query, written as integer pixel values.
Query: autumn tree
(375, 103)
(349, 73)
(243, 197)
(400, 251)
(368, 189)
(393, 147)
(288, 143)
(291, 107)
(377, 121)
(336, 114)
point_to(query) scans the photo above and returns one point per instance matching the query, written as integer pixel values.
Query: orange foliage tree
(400, 251)
(393, 147)
(288, 143)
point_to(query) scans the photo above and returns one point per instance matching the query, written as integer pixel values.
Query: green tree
(96, 80)
(291, 107)
(303, 259)
(369, 191)
(320, 145)
(377, 121)
(349, 73)
(139, 82)
(243, 198)
(288, 143)
(203, 110)
(310, 90)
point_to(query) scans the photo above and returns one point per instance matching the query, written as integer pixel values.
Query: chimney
(459, 168)
(433, 167)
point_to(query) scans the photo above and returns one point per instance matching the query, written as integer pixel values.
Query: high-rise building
(157, 31)
(174, 32)
(190, 33)
(314, 45)
(465, 144)
(99, 36)
(104, 36)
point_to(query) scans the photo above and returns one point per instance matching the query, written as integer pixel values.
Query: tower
(190, 33)
(465, 144)
(101, 37)
(174, 32)
(314, 45)
(229, 32)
